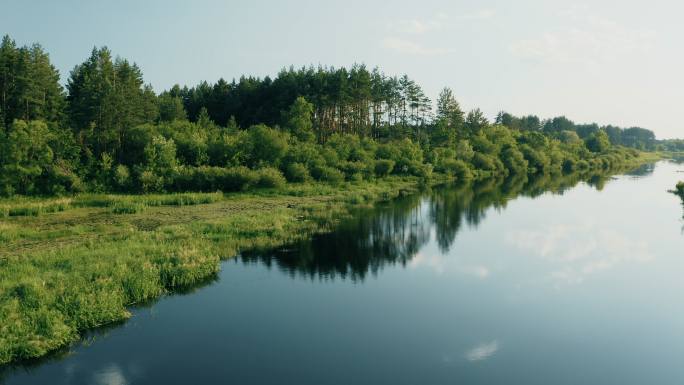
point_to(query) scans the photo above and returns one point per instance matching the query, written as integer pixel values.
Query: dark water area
(545, 281)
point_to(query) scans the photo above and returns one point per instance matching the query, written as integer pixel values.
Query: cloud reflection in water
(577, 251)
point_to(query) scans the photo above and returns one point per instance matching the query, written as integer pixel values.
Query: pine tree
(105, 99)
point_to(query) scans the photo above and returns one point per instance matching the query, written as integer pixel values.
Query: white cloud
(585, 38)
(410, 47)
(482, 351)
(111, 375)
(403, 33)
(478, 271)
(440, 263)
(482, 14)
(436, 262)
(438, 22)
(576, 252)
(417, 27)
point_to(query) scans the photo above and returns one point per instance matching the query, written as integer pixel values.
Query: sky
(603, 61)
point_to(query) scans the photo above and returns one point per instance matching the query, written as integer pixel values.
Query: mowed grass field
(69, 264)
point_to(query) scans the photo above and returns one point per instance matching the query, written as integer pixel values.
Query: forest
(109, 131)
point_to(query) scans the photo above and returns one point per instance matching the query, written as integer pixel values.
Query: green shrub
(383, 167)
(269, 177)
(484, 162)
(265, 146)
(297, 172)
(327, 174)
(205, 178)
(122, 177)
(356, 177)
(421, 170)
(151, 182)
(457, 168)
(538, 161)
(237, 178)
(350, 169)
(514, 160)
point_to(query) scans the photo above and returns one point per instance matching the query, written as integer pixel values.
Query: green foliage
(25, 155)
(105, 98)
(464, 151)
(297, 172)
(484, 162)
(269, 177)
(29, 85)
(449, 120)
(514, 160)
(475, 122)
(227, 150)
(160, 164)
(327, 174)
(569, 137)
(151, 182)
(127, 207)
(598, 142)
(110, 132)
(206, 178)
(406, 154)
(160, 154)
(191, 141)
(264, 146)
(298, 120)
(456, 168)
(122, 177)
(538, 161)
(383, 167)
(171, 108)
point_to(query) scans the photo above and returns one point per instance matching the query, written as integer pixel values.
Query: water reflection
(643, 170)
(578, 250)
(393, 233)
(110, 373)
(482, 351)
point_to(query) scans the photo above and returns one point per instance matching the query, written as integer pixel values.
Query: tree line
(109, 131)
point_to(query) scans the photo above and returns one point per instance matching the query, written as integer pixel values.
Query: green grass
(119, 204)
(81, 266)
(21, 207)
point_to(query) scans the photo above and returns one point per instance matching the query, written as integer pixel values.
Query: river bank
(71, 264)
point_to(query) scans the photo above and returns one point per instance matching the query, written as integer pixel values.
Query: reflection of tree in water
(451, 207)
(643, 170)
(389, 234)
(394, 232)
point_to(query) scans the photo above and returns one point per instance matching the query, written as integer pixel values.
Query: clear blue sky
(600, 61)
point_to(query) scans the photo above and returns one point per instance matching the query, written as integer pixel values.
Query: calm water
(541, 282)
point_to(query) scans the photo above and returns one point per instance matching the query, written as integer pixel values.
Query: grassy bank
(75, 263)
